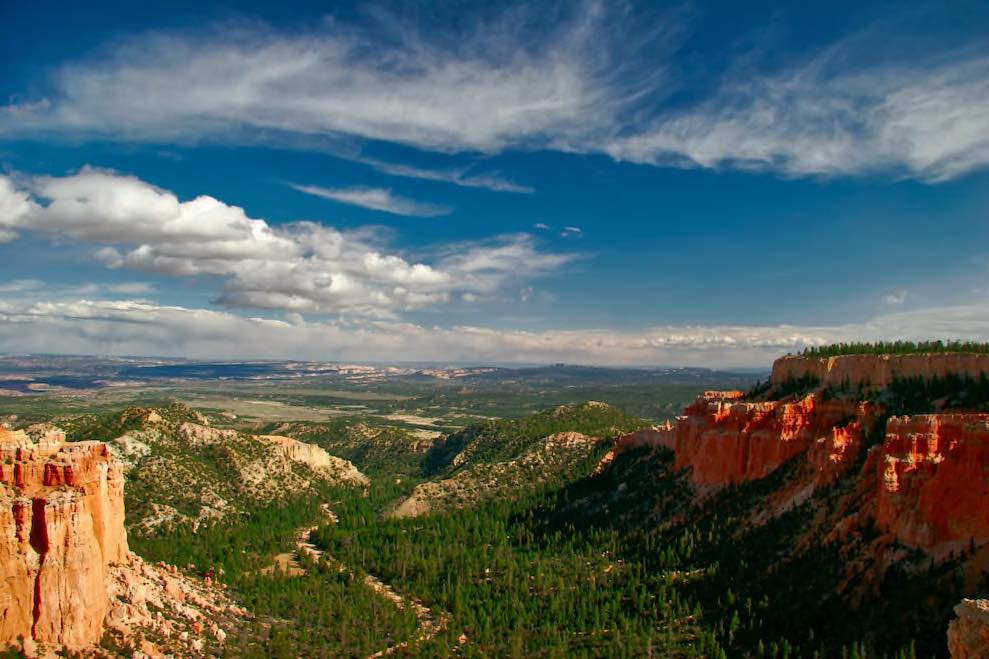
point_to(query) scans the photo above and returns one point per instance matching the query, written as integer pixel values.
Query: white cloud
(144, 328)
(596, 82)
(482, 91)
(896, 297)
(31, 288)
(462, 176)
(21, 286)
(300, 267)
(379, 199)
(929, 121)
(572, 232)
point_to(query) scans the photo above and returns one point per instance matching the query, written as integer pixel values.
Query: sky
(691, 183)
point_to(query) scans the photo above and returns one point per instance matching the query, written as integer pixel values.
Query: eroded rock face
(197, 434)
(62, 525)
(317, 459)
(878, 371)
(968, 634)
(724, 441)
(933, 481)
(658, 436)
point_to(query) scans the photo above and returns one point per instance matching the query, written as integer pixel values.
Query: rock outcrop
(658, 436)
(933, 481)
(968, 634)
(197, 434)
(926, 485)
(877, 371)
(317, 459)
(62, 519)
(481, 480)
(185, 617)
(722, 440)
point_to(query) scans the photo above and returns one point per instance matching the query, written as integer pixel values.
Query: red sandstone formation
(831, 456)
(878, 370)
(62, 518)
(933, 481)
(927, 485)
(726, 442)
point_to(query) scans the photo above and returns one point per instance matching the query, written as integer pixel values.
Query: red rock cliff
(878, 370)
(724, 442)
(933, 481)
(62, 525)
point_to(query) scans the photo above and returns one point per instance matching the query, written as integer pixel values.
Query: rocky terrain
(182, 470)
(968, 634)
(877, 371)
(70, 578)
(513, 457)
(372, 449)
(924, 476)
(890, 492)
(837, 508)
(558, 453)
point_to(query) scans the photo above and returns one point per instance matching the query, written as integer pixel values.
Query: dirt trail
(429, 625)
(289, 563)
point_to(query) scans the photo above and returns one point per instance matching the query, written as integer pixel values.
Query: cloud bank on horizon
(466, 109)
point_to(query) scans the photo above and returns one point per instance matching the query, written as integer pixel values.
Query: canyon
(883, 487)
(927, 474)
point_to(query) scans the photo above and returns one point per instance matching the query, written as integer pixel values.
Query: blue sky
(690, 183)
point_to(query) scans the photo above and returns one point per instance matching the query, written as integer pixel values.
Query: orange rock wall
(726, 442)
(62, 524)
(878, 370)
(933, 481)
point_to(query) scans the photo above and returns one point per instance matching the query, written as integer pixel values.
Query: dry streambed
(290, 564)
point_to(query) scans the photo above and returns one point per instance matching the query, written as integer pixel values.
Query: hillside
(809, 524)
(509, 458)
(182, 471)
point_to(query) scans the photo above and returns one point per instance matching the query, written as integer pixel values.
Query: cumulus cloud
(143, 328)
(301, 267)
(379, 199)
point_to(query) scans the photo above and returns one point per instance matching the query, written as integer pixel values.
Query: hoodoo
(933, 481)
(62, 518)
(724, 440)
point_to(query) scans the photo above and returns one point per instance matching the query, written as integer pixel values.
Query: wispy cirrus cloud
(482, 92)
(460, 176)
(378, 199)
(599, 80)
(301, 267)
(822, 117)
